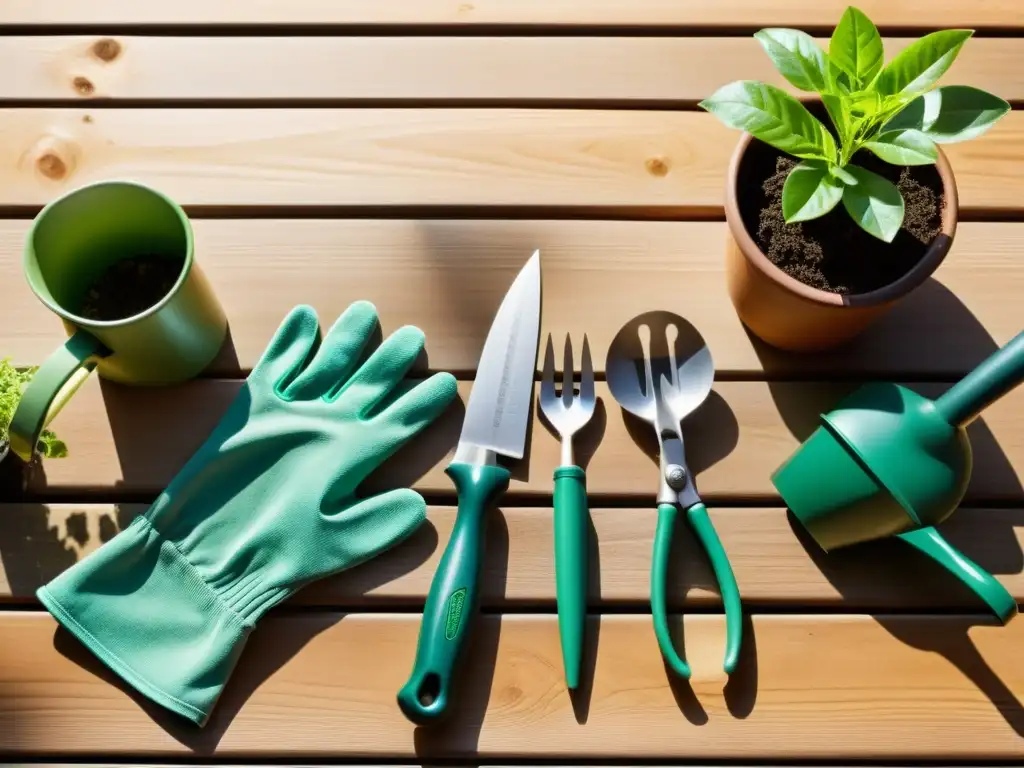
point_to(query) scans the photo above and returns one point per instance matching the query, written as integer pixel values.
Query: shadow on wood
(450, 283)
(39, 541)
(581, 696)
(956, 645)
(258, 662)
(18, 476)
(930, 329)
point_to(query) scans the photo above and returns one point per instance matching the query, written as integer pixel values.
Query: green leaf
(836, 111)
(797, 56)
(809, 192)
(919, 66)
(874, 203)
(12, 384)
(773, 116)
(856, 47)
(51, 447)
(838, 80)
(865, 104)
(951, 113)
(842, 174)
(904, 147)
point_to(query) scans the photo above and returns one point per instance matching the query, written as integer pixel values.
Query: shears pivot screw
(676, 477)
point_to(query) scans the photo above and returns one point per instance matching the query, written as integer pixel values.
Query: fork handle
(572, 542)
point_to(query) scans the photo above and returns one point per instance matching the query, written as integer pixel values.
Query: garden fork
(567, 415)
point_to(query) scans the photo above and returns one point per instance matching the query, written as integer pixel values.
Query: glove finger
(384, 369)
(415, 409)
(291, 347)
(339, 353)
(371, 526)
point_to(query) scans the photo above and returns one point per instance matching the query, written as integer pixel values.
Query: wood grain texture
(637, 162)
(657, 13)
(511, 69)
(807, 687)
(449, 277)
(126, 440)
(774, 563)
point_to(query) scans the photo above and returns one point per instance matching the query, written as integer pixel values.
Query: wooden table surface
(414, 153)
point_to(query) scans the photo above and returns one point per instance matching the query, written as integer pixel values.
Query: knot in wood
(83, 86)
(106, 49)
(658, 166)
(52, 166)
(511, 694)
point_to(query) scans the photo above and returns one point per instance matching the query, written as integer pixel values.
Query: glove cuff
(148, 614)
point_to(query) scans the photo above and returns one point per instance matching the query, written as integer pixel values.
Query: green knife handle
(572, 542)
(453, 597)
(930, 542)
(698, 518)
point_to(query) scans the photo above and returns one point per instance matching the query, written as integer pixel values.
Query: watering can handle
(994, 377)
(929, 541)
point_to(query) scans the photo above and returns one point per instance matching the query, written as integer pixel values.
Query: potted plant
(839, 208)
(12, 383)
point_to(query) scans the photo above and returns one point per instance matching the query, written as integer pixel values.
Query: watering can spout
(994, 377)
(930, 542)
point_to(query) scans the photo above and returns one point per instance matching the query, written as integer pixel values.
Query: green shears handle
(701, 523)
(453, 597)
(571, 570)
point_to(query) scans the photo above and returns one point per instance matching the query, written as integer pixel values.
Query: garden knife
(495, 424)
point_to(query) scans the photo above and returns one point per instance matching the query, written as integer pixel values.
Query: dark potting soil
(130, 286)
(832, 252)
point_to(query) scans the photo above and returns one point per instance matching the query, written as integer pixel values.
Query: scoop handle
(929, 541)
(994, 377)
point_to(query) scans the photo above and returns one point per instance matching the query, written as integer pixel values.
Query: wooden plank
(128, 440)
(637, 162)
(773, 563)
(518, 69)
(825, 687)
(597, 275)
(596, 13)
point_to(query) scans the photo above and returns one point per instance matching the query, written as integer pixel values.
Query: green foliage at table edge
(12, 384)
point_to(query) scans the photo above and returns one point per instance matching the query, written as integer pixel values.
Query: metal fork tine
(567, 370)
(547, 382)
(587, 376)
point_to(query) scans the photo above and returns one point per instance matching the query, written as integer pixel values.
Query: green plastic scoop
(889, 462)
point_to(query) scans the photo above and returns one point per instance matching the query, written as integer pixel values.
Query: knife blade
(495, 424)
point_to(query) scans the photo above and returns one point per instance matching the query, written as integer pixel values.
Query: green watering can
(889, 462)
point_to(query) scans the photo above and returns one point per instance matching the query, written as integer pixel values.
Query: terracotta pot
(791, 315)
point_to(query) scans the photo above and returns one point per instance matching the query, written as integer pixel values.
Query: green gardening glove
(266, 505)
